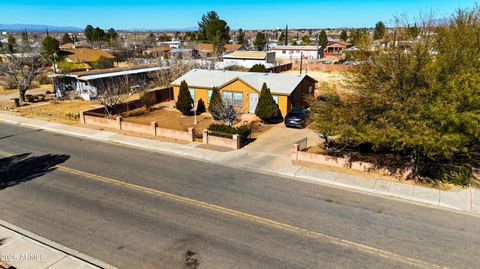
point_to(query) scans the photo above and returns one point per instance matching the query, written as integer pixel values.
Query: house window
(192, 93)
(284, 51)
(227, 98)
(275, 98)
(237, 99)
(232, 98)
(209, 95)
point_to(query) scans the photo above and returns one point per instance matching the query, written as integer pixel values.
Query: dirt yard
(61, 111)
(335, 80)
(168, 119)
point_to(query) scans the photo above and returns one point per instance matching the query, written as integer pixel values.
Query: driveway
(279, 139)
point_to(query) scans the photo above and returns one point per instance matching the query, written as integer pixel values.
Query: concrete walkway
(253, 158)
(24, 250)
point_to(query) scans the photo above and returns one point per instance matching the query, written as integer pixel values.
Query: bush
(259, 68)
(244, 130)
(43, 79)
(216, 104)
(184, 101)
(201, 107)
(267, 109)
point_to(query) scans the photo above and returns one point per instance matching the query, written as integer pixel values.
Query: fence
(92, 118)
(299, 154)
(217, 139)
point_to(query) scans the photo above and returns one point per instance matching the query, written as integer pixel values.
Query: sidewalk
(467, 200)
(23, 250)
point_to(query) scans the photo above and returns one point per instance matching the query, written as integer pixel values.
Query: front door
(253, 100)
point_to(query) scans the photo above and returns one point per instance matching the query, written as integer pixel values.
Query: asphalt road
(140, 209)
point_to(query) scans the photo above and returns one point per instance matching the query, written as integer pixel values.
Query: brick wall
(209, 139)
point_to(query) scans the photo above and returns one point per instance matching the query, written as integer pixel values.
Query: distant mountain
(37, 28)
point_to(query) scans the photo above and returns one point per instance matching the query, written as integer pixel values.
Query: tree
(266, 108)
(214, 30)
(163, 37)
(66, 39)
(151, 40)
(21, 68)
(286, 35)
(51, 50)
(260, 41)
(215, 105)
(379, 31)
(323, 39)
(11, 43)
(184, 100)
(344, 36)
(103, 63)
(201, 107)
(281, 38)
(113, 92)
(360, 38)
(305, 40)
(259, 68)
(110, 36)
(25, 39)
(416, 103)
(241, 37)
(89, 32)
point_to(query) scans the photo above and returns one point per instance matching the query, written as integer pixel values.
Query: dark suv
(297, 118)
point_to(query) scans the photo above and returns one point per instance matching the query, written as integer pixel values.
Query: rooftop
(110, 72)
(247, 54)
(82, 55)
(279, 83)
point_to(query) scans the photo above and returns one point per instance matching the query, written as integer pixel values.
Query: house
(249, 58)
(159, 51)
(206, 50)
(174, 44)
(242, 89)
(295, 52)
(86, 55)
(334, 49)
(84, 84)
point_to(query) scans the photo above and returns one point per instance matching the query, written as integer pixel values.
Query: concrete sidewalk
(467, 200)
(23, 250)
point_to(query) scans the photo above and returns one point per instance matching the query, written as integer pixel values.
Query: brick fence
(210, 139)
(303, 156)
(151, 129)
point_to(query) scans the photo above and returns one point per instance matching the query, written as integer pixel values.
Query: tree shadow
(23, 167)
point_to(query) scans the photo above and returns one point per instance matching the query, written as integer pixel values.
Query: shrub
(43, 79)
(244, 130)
(201, 107)
(259, 68)
(267, 109)
(185, 101)
(216, 104)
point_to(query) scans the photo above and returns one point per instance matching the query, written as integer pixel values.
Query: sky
(260, 14)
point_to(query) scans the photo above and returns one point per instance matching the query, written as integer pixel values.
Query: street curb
(318, 181)
(49, 243)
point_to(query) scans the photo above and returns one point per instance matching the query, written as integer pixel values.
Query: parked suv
(297, 118)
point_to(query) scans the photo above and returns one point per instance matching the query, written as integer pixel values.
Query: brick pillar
(154, 128)
(191, 133)
(82, 117)
(294, 152)
(119, 122)
(236, 138)
(205, 136)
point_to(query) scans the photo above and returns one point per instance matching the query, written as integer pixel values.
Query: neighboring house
(334, 49)
(249, 58)
(174, 44)
(180, 54)
(157, 51)
(86, 55)
(206, 50)
(85, 84)
(295, 52)
(242, 89)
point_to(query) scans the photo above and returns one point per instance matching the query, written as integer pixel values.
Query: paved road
(139, 209)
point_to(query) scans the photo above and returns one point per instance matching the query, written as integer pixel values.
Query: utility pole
(301, 62)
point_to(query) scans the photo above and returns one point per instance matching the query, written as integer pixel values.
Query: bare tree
(113, 92)
(221, 112)
(21, 68)
(177, 68)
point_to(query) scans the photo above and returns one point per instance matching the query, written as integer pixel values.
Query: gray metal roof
(279, 83)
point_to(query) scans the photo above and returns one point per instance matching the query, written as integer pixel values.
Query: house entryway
(253, 100)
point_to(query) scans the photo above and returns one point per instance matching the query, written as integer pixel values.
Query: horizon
(148, 15)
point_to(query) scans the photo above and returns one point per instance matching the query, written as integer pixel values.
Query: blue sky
(156, 14)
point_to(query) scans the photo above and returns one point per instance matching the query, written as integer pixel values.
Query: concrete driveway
(279, 139)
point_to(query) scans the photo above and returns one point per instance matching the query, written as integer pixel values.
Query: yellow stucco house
(242, 89)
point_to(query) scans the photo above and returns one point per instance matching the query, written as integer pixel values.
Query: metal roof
(121, 73)
(279, 83)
